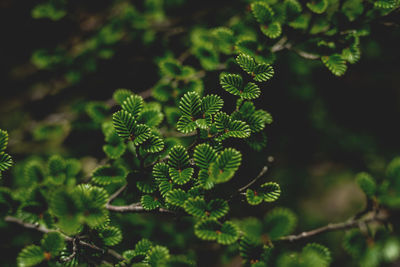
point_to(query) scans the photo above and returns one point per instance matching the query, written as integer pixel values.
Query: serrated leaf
(181, 176)
(335, 63)
(53, 243)
(279, 222)
(153, 145)
(190, 105)
(133, 104)
(253, 197)
(367, 184)
(211, 104)
(270, 191)
(158, 256)
(5, 161)
(30, 256)
(151, 117)
(176, 197)
(3, 140)
(215, 209)
(323, 253)
(226, 233)
(178, 157)
(120, 95)
(150, 202)
(355, 243)
(262, 12)
(110, 235)
(105, 175)
(204, 180)
(272, 30)
(124, 124)
(233, 83)
(171, 67)
(318, 6)
(204, 155)
(186, 124)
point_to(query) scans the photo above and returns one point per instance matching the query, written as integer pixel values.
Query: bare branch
(117, 193)
(262, 172)
(134, 207)
(335, 227)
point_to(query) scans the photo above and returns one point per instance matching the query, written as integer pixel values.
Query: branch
(262, 172)
(334, 227)
(134, 207)
(67, 238)
(117, 193)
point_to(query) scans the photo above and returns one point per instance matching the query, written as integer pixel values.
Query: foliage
(177, 151)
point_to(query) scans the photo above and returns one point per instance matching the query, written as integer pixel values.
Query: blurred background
(56, 56)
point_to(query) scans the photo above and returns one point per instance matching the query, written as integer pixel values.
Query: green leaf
(272, 30)
(262, 12)
(225, 165)
(153, 145)
(224, 39)
(97, 111)
(30, 256)
(149, 202)
(133, 104)
(143, 246)
(215, 209)
(121, 95)
(367, 184)
(226, 233)
(105, 175)
(233, 83)
(5, 161)
(190, 105)
(270, 191)
(176, 197)
(204, 179)
(231, 128)
(352, 9)
(335, 63)
(211, 104)
(254, 252)
(253, 197)
(151, 117)
(351, 54)
(260, 72)
(124, 124)
(178, 157)
(171, 68)
(229, 159)
(56, 166)
(158, 256)
(181, 176)
(53, 243)
(318, 6)
(3, 140)
(186, 124)
(279, 222)
(110, 235)
(204, 155)
(323, 253)
(386, 4)
(146, 186)
(393, 169)
(355, 243)
(93, 199)
(208, 56)
(293, 9)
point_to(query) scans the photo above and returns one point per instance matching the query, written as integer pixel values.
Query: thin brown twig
(334, 227)
(261, 174)
(134, 207)
(67, 238)
(117, 193)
